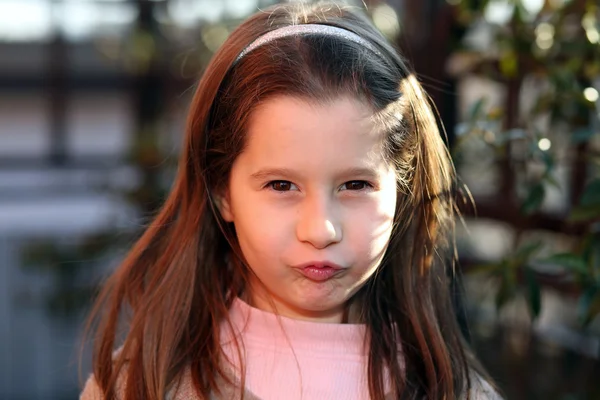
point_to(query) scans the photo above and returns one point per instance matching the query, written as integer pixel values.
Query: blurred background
(93, 98)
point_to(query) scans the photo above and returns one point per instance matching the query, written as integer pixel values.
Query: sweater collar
(268, 329)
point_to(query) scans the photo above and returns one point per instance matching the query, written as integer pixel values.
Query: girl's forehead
(352, 108)
(286, 118)
(297, 131)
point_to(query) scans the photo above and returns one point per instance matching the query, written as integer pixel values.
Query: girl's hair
(179, 280)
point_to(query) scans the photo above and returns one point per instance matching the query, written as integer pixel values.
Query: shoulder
(182, 390)
(93, 391)
(481, 389)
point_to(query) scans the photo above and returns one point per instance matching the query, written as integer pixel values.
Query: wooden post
(57, 90)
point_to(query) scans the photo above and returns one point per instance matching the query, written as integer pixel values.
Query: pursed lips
(319, 271)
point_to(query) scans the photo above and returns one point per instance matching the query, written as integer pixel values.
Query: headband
(308, 29)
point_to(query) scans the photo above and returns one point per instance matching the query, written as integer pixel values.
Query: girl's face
(312, 200)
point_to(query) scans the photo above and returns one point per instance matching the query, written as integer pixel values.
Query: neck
(348, 313)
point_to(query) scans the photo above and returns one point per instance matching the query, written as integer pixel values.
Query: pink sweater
(291, 359)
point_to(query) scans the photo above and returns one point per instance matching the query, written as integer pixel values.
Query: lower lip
(319, 274)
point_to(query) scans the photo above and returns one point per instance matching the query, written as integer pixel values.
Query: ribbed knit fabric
(291, 359)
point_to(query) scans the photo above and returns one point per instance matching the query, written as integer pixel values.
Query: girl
(301, 253)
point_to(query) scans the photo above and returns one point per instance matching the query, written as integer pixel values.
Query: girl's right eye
(281, 186)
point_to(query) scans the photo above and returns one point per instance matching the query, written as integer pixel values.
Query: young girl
(302, 251)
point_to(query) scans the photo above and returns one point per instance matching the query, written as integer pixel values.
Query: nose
(318, 223)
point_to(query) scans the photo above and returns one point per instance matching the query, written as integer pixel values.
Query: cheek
(371, 232)
(260, 228)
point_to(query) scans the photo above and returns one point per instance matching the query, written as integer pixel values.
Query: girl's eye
(281, 186)
(356, 185)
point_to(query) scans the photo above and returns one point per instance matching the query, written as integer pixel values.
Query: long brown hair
(175, 286)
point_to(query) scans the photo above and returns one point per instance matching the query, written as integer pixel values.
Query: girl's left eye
(281, 186)
(357, 185)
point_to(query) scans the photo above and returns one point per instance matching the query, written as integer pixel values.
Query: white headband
(307, 29)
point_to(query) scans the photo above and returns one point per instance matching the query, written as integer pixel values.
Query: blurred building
(75, 82)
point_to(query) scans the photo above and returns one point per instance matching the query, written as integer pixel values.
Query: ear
(224, 205)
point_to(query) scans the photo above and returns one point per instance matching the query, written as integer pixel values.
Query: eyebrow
(266, 173)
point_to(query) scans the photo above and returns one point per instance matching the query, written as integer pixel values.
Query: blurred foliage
(556, 50)
(557, 46)
(68, 268)
(74, 267)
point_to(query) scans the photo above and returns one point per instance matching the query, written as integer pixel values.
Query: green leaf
(509, 64)
(547, 158)
(582, 135)
(544, 103)
(570, 261)
(591, 194)
(533, 293)
(476, 110)
(584, 213)
(504, 294)
(484, 269)
(589, 305)
(524, 253)
(508, 284)
(573, 65)
(534, 199)
(548, 178)
(592, 253)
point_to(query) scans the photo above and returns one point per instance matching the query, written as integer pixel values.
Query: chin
(321, 306)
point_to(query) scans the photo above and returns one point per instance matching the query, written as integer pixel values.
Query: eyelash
(366, 184)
